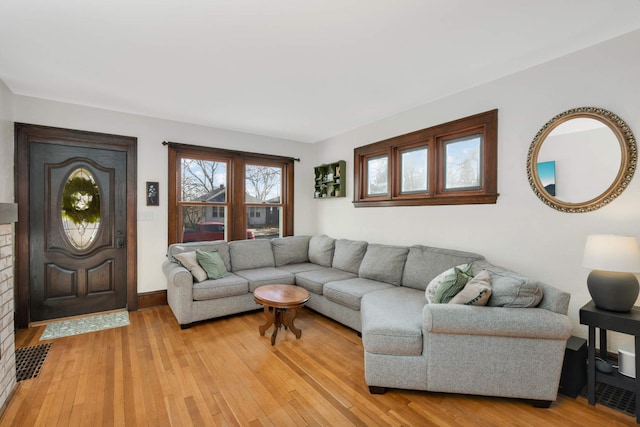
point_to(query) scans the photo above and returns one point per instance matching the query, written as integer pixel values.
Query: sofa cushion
(424, 263)
(314, 280)
(229, 286)
(384, 263)
(248, 254)
(299, 268)
(392, 321)
(189, 260)
(212, 263)
(445, 279)
(266, 276)
(348, 255)
(321, 250)
(349, 292)
(220, 245)
(290, 250)
(510, 289)
(476, 292)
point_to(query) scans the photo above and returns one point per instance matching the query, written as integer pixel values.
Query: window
(214, 228)
(203, 195)
(462, 165)
(220, 194)
(263, 185)
(254, 212)
(377, 176)
(414, 166)
(80, 211)
(449, 164)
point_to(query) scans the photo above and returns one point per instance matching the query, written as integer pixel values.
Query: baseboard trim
(152, 299)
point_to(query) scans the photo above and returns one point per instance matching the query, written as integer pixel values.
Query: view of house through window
(263, 198)
(203, 196)
(223, 195)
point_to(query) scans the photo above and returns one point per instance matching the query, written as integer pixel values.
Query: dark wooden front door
(79, 224)
(77, 268)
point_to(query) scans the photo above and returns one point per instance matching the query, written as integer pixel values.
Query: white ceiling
(299, 69)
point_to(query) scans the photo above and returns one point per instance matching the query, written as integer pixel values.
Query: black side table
(626, 323)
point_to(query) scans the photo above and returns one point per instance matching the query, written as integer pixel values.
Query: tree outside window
(378, 175)
(453, 163)
(463, 163)
(263, 185)
(241, 195)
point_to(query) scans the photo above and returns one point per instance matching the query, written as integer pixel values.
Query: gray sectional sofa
(512, 347)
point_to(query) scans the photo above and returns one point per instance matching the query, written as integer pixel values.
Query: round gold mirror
(581, 160)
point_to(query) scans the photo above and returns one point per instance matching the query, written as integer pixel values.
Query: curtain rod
(200, 147)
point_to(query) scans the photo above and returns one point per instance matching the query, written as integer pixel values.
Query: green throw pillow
(451, 286)
(212, 264)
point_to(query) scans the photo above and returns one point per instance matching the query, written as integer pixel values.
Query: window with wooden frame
(217, 194)
(449, 164)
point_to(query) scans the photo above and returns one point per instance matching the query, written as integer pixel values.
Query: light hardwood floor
(222, 372)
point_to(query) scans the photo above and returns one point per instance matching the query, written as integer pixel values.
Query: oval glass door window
(81, 208)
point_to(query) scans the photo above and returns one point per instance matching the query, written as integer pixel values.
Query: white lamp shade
(612, 253)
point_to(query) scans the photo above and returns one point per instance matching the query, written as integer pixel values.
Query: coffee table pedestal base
(279, 317)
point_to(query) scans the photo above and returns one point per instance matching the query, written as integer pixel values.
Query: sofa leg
(186, 326)
(377, 390)
(541, 404)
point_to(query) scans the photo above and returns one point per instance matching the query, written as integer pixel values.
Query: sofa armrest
(179, 291)
(177, 274)
(495, 321)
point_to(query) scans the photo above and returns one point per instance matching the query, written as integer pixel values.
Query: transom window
(462, 165)
(452, 163)
(377, 176)
(414, 168)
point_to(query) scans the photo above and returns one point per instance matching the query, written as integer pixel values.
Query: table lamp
(613, 260)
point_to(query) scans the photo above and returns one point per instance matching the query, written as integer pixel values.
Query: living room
(518, 231)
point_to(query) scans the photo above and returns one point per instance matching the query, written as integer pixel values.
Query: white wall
(152, 166)
(519, 232)
(6, 144)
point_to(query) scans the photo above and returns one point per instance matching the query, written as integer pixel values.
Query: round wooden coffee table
(281, 302)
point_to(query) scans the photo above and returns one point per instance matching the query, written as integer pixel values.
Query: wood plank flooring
(222, 373)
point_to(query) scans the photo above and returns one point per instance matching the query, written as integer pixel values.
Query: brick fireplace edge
(8, 213)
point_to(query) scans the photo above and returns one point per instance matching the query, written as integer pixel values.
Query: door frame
(25, 134)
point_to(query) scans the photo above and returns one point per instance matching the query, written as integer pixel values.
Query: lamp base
(613, 291)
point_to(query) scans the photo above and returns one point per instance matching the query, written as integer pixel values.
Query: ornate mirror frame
(628, 160)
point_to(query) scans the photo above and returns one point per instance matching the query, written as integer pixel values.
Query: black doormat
(29, 361)
(614, 398)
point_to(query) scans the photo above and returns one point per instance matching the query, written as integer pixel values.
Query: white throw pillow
(477, 291)
(189, 261)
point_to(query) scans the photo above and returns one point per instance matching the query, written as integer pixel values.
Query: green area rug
(84, 325)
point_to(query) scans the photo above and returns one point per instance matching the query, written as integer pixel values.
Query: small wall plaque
(152, 194)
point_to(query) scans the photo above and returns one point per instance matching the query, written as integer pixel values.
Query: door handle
(120, 242)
